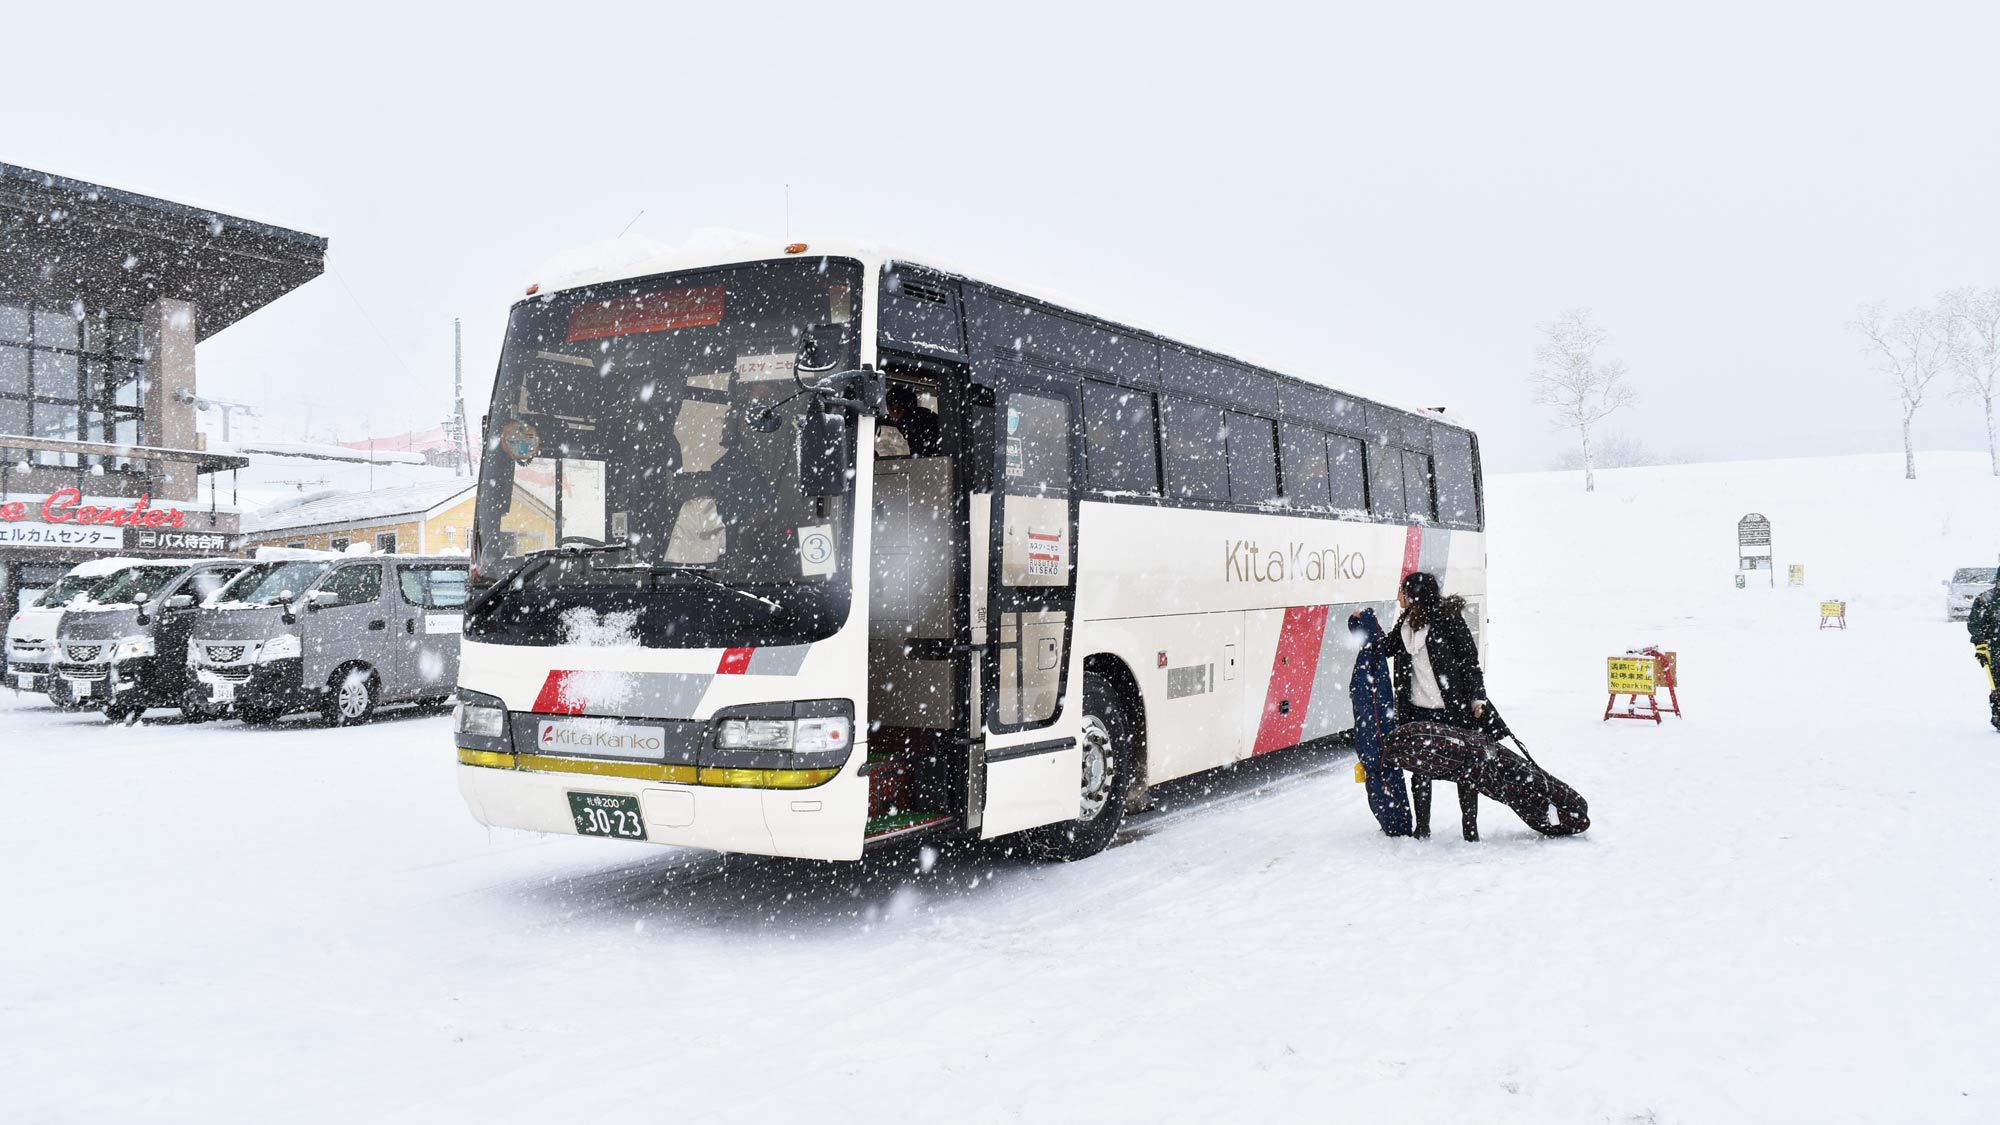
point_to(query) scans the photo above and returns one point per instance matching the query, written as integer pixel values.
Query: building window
(297, 544)
(385, 543)
(339, 543)
(71, 378)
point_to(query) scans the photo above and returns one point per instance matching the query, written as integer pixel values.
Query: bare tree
(1910, 350)
(1973, 317)
(1580, 389)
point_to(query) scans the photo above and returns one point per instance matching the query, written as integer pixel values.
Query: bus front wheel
(1109, 758)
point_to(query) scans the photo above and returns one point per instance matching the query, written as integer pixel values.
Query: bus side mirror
(824, 454)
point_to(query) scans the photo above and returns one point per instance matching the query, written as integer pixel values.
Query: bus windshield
(621, 425)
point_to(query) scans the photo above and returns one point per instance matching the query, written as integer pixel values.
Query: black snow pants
(1420, 787)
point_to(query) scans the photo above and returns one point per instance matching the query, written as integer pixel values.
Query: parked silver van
(123, 647)
(341, 636)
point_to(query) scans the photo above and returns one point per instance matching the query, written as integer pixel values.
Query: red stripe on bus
(558, 697)
(1413, 550)
(1291, 689)
(734, 662)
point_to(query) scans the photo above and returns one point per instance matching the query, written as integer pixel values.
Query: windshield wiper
(701, 572)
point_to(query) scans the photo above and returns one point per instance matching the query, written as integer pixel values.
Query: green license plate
(605, 814)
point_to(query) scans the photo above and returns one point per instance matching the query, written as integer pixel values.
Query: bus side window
(1385, 482)
(1304, 464)
(1457, 479)
(1124, 453)
(1418, 495)
(1196, 469)
(1348, 459)
(1253, 459)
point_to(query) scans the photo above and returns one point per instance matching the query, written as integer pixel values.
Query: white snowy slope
(1784, 912)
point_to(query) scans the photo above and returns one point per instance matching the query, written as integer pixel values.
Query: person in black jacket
(1438, 680)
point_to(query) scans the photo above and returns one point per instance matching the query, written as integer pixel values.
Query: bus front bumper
(825, 821)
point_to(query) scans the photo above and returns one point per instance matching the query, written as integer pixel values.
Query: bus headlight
(754, 734)
(480, 721)
(132, 648)
(281, 647)
(817, 735)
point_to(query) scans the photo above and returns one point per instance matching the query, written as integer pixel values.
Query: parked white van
(341, 636)
(31, 632)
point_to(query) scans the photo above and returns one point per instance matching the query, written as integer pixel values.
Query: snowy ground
(1785, 911)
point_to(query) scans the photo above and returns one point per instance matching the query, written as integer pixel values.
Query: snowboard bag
(1445, 753)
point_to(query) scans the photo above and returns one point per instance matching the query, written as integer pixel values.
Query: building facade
(104, 295)
(412, 519)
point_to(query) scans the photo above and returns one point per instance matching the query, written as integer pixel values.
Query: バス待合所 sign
(200, 541)
(1630, 675)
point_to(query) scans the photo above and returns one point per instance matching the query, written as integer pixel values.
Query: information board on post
(1631, 675)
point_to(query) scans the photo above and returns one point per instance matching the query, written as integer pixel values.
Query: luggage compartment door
(1033, 767)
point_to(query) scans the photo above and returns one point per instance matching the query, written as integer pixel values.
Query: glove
(1360, 773)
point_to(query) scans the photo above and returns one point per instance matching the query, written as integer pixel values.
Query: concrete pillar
(170, 380)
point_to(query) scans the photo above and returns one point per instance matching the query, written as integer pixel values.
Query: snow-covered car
(31, 633)
(123, 648)
(337, 635)
(1965, 584)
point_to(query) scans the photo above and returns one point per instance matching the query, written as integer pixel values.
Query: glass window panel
(1385, 481)
(1037, 444)
(55, 376)
(14, 323)
(1253, 459)
(354, 585)
(1457, 479)
(55, 329)
(13, 416)
(1196, 468)
(13, 371)
(93, 380)
(1119, 425)
(127, 338)
(57, 420)
(1349, 465)
(1304, 453)
(128, 384)
(95, 329)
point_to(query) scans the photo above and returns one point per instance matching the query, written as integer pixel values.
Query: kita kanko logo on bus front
(1245, 560)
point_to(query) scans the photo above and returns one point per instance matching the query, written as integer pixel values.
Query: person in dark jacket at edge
(1373, 691)
(1983, 624)
(1438, 680)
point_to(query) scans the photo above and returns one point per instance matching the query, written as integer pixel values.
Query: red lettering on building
(66, 505)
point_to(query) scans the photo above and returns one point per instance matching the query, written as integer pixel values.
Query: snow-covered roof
(616, 260)
(335, 507)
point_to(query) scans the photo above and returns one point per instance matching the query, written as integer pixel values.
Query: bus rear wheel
(1110, 758)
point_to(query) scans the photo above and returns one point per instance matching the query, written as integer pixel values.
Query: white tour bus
(737, 584)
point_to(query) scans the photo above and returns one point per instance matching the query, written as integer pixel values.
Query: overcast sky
(1382, 196)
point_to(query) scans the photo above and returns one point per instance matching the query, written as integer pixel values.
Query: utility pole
(461, 454)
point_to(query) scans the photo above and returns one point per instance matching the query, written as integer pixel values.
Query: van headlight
(132, 648)
(806, 736)
(281, 647)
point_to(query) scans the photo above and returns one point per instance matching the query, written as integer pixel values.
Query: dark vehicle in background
(123, 648)
(339, 636)
(31, 632)
(1966, 583)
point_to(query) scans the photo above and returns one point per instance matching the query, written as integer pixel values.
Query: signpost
(1833, 615)
(1644, 672)
(1795, 574)
(1753, 545)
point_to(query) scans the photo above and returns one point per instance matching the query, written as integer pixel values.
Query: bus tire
(350, 696)
(1110, 756)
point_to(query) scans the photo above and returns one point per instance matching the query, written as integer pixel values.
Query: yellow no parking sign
(1630, 675)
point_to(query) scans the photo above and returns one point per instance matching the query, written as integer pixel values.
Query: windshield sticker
(816, 549)
(652, 312)
(763, 368)
(840, 302)
(520, 441)
(1017, 464)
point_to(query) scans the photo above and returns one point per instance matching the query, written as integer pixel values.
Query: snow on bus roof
(615, 260)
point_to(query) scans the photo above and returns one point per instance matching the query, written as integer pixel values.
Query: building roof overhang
(64, 240)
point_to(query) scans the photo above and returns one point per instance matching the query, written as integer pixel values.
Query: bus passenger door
(1032, 765)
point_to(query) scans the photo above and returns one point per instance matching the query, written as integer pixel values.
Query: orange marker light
(534, 289)
(796, 248)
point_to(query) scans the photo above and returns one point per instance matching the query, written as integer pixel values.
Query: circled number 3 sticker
(816, 549)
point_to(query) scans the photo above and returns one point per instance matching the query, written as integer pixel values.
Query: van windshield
(1975, 576)
(269, 583)
(70, 588)
(129, 587)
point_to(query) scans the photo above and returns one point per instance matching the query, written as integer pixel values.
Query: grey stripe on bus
(782, 660)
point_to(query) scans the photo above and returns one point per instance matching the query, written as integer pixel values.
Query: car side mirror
(824, 454)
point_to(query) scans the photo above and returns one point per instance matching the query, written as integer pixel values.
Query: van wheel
(350, 697)
(1109, 759)
(122, 712)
